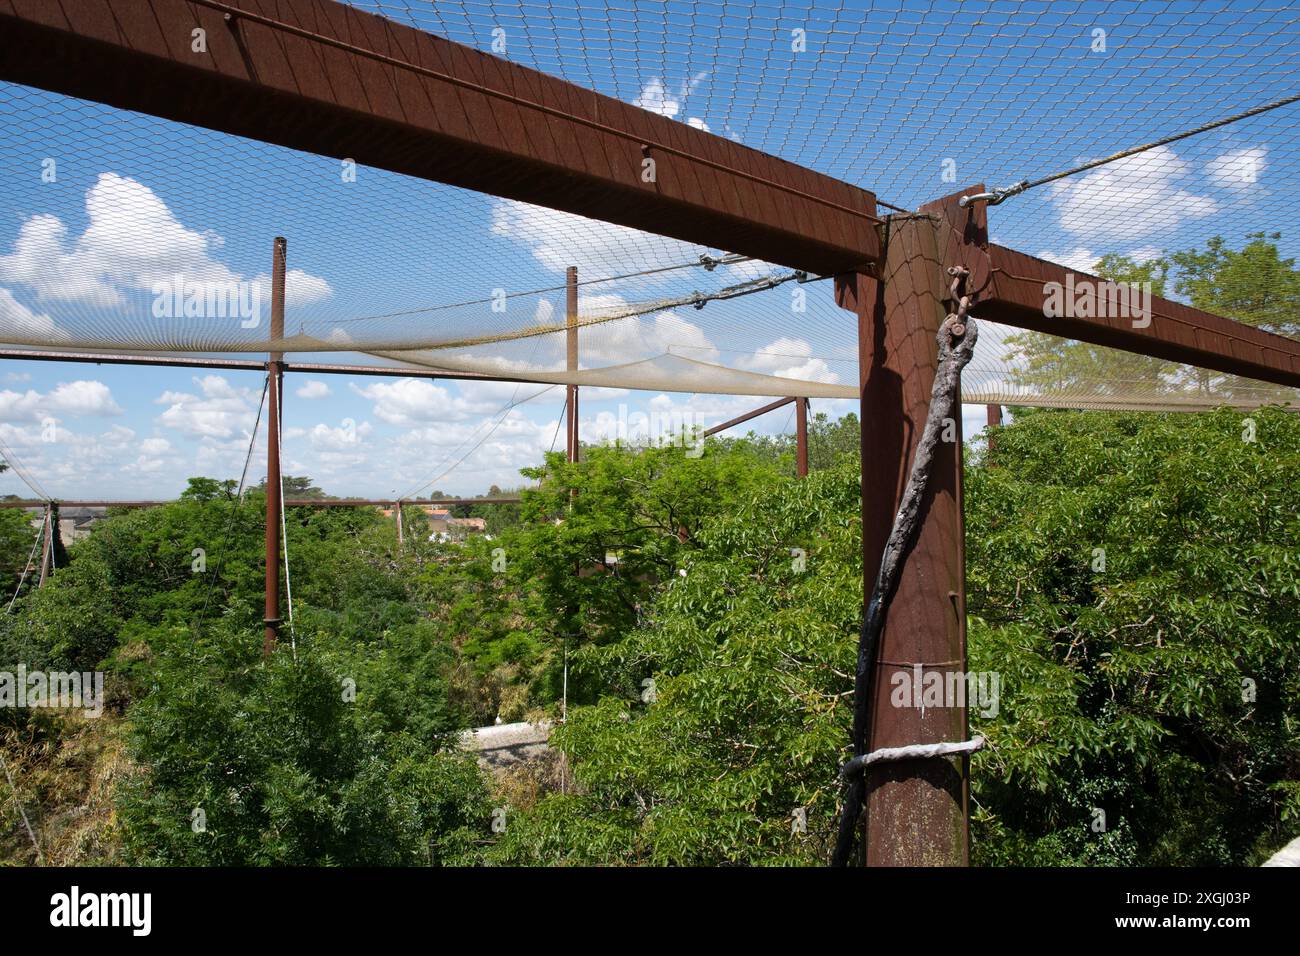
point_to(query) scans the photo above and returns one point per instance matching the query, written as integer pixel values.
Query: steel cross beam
(323, 77)
(249, 365)
(748, 416)
(1013, 288)
(288, 502)
(1176, 332)
(801, 428)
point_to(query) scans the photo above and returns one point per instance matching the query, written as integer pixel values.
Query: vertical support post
(397, 513)
(571, 333)
(275, 369)
(994, 420)
(801, 437)
(47, 543)
(915, 809)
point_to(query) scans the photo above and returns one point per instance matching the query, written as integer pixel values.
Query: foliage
(169, 600)
(270, 763)
(17, 537)
(1128, 574)
(708, 610)
(749, 654)
(1253, 285)
(1122, 690)
(594, 543)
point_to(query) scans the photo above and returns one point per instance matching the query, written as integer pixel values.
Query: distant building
(74, 523)
(446, 528)
(442, 526)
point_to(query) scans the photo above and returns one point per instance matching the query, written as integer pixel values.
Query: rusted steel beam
(916, 810)
(288, 502)
(324, 77)
(993, 415)
(1024, 291)
(741, 419)
(250, 365)
(105, 358)
(1017, 294)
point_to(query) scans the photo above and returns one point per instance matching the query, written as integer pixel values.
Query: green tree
(208, 489)
(297, 486)
(248, 763)
(725, 712)
(1253, 285)
(1161, 689)
(17, 537)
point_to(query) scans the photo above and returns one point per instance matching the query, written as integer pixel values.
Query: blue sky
(135, 199)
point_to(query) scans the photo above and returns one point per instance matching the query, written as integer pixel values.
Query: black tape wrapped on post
(957, 336)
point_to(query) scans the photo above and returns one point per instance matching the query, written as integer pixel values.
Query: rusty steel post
(397, 513)
(994, 415)
(915, 809)
(571, 360)
(275, 371)
(801, 436)
(47, 544)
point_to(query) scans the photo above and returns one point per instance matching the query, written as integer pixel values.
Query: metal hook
(995, 197)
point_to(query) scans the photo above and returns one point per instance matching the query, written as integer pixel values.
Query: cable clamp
(996, 196)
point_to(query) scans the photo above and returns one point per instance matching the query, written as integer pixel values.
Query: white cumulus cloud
(312, 389)
(75, 399)
(221, 411)
(1131, 198)
(1238, 169)
(131, 242)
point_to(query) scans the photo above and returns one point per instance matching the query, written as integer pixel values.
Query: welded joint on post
(912, 752)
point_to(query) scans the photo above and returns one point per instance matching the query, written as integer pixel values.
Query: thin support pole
(994, 413)
(397, 513)
(47, 545)
(274, 484)
(571, 359)
(801, 436)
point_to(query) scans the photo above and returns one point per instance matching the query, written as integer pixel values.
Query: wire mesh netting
(129, 233)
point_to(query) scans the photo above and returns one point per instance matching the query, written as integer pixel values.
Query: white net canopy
(127, 233)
